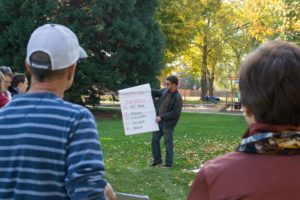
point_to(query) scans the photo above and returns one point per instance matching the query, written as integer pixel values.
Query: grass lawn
(197, 138)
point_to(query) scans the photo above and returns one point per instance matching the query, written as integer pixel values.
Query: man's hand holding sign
(139, 115)
(138, 110)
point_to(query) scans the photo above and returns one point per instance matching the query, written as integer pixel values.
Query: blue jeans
(155, 144)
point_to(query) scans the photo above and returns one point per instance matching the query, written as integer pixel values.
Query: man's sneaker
(167, 165)
(154, 164)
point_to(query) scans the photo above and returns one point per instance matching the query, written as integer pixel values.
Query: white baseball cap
(59, 43)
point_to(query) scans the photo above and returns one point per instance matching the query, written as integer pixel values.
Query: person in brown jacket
(266, 164)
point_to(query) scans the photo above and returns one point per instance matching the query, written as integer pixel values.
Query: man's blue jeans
(155, 144)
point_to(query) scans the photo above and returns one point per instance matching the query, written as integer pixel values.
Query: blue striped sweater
(49, 149)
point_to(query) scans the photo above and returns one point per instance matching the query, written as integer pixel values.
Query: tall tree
(122, 39)
(211, 34)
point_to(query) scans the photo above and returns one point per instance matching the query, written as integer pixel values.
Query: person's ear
(248, 115)
(247, 111)
(71, 71)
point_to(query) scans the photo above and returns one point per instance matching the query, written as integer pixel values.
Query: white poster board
(138, 110)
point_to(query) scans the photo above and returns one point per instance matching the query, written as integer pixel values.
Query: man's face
(7, 81)
(171, 86)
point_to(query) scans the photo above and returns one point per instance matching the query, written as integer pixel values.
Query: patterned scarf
(271, 139)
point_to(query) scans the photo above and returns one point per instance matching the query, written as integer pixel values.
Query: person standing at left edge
(168, 113)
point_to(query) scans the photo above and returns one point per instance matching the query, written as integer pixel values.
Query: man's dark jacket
(171, 116)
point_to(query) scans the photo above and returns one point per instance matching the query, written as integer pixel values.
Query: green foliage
(217, 34)
(197, 139)
(290, 26)
(175, 18)
(122, 39)
(210, 48)
(124, 43)
(17, 20)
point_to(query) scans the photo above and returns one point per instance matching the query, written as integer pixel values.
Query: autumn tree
(216, 33)
(225, 31)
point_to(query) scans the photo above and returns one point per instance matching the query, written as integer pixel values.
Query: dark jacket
(13, 91)
(171, 116)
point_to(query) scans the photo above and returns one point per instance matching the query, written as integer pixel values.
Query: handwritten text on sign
(138, 110)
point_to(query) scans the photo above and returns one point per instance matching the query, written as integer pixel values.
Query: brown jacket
(243, 176)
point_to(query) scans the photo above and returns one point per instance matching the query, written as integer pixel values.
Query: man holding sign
(168, 113)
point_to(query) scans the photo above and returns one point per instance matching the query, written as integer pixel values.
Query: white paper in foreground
(138, 110)
(124, 196)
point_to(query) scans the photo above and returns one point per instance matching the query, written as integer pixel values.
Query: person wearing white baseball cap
(49, 147)
(59, 43)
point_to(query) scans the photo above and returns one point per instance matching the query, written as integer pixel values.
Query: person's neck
(50, 87)
(173, 90)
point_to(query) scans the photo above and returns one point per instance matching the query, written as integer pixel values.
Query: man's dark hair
(173, 79)
(269, 83)
(43, 59)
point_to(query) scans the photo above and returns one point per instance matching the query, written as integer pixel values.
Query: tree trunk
(211, 81)
(204, 71)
